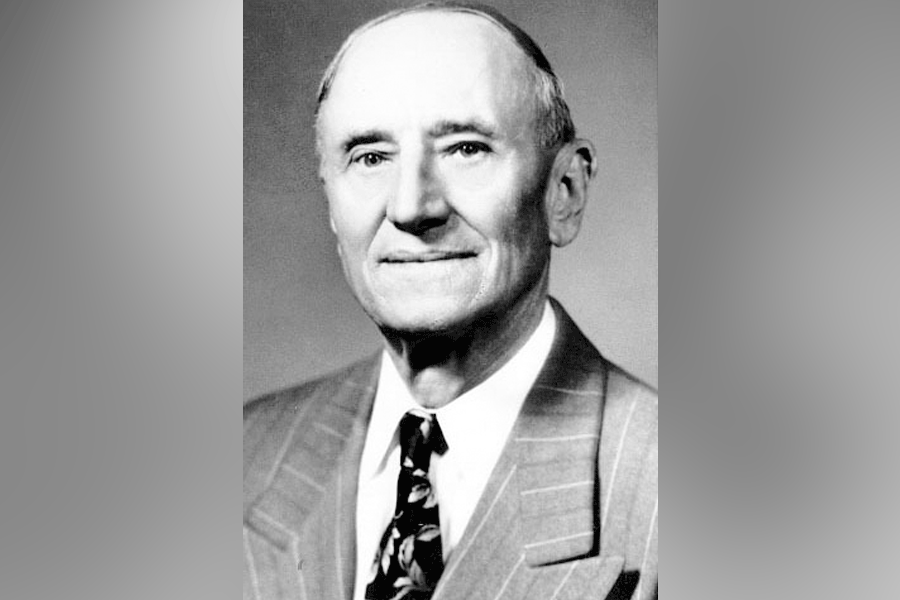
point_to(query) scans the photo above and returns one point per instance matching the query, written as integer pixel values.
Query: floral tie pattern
(409, 561)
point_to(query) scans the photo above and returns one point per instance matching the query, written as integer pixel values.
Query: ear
(574, 166)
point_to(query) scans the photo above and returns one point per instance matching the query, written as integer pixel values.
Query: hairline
(553, 121)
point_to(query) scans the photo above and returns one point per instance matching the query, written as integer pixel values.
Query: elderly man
(489, 451)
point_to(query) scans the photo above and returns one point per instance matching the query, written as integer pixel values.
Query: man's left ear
(574, 166)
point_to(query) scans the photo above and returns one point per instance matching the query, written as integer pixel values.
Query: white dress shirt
(476, 426)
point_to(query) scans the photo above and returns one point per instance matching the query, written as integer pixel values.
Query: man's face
(433, 172)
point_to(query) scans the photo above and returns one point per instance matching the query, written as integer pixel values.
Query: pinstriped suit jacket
(570, 511)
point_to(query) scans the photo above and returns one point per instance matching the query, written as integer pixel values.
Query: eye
(369, 159)
(469, 149)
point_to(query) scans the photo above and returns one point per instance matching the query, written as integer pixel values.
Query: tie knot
(420, 435)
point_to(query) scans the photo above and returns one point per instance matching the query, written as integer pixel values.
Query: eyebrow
(443, 128)
(370, 136)
(439, 129)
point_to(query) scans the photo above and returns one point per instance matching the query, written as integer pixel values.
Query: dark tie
(409, 561)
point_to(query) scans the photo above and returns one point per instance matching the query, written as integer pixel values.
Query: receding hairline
(547, 86)
(490, 45)
(533, 55)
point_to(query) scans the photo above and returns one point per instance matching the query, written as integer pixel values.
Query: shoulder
(629, 399)
(272, 420)
(630, 428)
(575, 363)
(269, 411)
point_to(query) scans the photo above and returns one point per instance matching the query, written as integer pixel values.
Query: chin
(424, 318)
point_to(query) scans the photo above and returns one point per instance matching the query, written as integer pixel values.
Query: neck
(439, 368)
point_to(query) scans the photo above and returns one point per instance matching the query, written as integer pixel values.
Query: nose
(418, 203)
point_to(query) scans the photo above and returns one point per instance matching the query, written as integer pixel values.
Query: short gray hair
(554, 122)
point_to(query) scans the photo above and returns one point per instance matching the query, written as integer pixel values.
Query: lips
(404, 256)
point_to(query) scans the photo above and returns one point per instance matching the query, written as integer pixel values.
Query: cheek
(355, 219)
(522, 235)
(517, 219)
(487, 197)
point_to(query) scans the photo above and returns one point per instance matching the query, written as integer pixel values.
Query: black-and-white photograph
(450, 300)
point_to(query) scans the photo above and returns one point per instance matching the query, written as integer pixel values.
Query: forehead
(424, 67)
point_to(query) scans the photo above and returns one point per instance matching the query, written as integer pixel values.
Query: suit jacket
(570, 510)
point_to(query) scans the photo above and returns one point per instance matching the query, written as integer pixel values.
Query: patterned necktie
(410, 560)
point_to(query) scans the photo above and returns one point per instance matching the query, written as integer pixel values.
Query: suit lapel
(308, 511)
(331, 528)
(557, 443)
(539, 510)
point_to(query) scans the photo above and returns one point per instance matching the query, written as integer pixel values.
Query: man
(489, 451)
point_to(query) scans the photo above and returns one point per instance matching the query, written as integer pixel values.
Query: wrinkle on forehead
(424, 63)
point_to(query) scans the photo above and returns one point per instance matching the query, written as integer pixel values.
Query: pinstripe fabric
(571, 509)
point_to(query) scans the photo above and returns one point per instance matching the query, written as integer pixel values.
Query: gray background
(299, 316)
(121, 308)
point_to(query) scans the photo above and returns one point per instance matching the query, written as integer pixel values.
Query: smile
(402, 257)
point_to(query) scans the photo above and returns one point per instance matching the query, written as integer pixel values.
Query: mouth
(405, 257)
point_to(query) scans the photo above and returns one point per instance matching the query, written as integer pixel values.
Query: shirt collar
(495, 400)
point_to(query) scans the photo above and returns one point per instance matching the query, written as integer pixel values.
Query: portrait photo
(450, 300)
